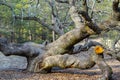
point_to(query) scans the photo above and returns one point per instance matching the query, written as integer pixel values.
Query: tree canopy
(28, 20)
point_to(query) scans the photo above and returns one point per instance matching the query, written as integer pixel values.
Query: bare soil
(61, 74)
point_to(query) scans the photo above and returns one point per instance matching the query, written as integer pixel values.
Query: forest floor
(61, 74)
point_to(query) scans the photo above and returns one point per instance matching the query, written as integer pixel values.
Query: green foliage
(24, 30)
(32, 31)
(25, 1)
(19, 6)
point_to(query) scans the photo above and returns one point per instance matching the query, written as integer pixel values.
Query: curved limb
(66, 61)
(71, 61)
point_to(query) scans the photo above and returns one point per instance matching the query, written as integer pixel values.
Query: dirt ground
(61, 74)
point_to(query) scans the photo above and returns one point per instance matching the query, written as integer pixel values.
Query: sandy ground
(61, 74)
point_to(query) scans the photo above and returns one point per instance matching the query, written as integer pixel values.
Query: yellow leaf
(98, 50)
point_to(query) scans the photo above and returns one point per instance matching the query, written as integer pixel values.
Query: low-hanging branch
(40, 21)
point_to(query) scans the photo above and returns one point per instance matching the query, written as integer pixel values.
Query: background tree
(48, 14)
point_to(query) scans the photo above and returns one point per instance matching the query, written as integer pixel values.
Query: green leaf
(19, 6)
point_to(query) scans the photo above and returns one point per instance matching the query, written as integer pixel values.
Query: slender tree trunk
(53, 35)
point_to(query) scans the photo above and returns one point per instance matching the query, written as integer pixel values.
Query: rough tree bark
(63, 44)
(42, 59)
(31, 50)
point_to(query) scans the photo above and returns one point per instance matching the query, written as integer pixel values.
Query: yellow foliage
(98, 50)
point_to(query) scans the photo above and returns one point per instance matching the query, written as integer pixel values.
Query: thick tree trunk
(55, 54)
(86, 60)
(29, 50)
(66, 42)
(32, 51)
